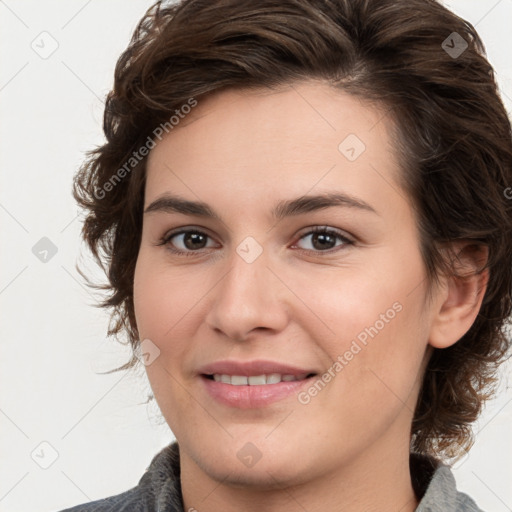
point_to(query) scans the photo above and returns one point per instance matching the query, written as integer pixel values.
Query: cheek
(385, 373)
(358, 302)
(162, 298)
(164, 302)
(372, 326)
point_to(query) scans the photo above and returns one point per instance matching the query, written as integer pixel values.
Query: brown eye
(323, 240)
(186, 241)
(192, 240)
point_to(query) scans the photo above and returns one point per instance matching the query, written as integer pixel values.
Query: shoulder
(158, 489)
(129, 500)
(435, 486)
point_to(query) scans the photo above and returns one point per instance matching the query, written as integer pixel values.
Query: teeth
(256, 380)
(239, 380)
(274, 378)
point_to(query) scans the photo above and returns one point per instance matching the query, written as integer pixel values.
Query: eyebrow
(285, 208)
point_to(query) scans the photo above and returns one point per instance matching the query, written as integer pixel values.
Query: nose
(249, 298)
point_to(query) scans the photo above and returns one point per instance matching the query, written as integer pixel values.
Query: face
(264, 281)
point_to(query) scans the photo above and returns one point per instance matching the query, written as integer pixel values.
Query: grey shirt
(159, 488)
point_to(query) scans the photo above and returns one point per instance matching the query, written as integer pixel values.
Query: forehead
(308, 110)
(262, 143)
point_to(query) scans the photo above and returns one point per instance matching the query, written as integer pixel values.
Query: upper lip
(252, 368)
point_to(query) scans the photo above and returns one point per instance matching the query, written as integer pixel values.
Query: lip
(252, 368)
(250, 397)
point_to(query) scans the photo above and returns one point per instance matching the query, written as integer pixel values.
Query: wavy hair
(420, 61)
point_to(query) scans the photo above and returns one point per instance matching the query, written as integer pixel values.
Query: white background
(53, 342)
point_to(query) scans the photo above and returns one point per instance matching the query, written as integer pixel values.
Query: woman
(302, 209)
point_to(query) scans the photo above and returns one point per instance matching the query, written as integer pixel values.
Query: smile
(256, 380)
(256, 391)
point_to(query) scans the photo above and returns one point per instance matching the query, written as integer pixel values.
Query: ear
(459, 296)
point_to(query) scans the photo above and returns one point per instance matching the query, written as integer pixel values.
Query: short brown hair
(454, 140)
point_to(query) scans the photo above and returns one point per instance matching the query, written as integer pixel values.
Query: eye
(190, 242)
(323, 239)
(187, 241)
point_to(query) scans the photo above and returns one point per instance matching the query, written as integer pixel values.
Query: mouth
(256, 389)
(257, 380)
(253, 384)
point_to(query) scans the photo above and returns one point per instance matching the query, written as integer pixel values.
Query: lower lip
(249, 397)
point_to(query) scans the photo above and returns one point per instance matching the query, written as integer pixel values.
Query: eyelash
(317, 229)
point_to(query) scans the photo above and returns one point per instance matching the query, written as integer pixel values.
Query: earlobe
(460, 296)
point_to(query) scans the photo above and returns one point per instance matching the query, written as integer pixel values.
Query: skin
(241, 152)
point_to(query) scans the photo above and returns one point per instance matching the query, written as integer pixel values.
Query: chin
(271, 466)
(264, 476)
